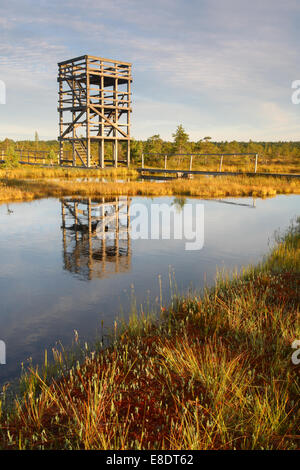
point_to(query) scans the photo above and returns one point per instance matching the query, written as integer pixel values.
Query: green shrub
(52, 157)
(12, 158)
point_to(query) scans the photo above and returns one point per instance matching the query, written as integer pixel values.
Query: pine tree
(181, 139)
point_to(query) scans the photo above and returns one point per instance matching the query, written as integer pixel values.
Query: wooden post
(73, 117)
(191, 162)
(115, 95)
(101, 153)
(255, 167)
(88, 141)
(142, 160)
(128, 122)
(61, 156)
(166, 161)
(128, 152)
(115, 152)
(221, 161)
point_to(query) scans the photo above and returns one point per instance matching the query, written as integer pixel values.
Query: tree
(154, 144)
(205, 146)
(36, 138)
(136, 150)
(12, 159)
(181, 139)
(52, 157)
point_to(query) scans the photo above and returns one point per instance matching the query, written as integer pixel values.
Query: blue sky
(222, 68)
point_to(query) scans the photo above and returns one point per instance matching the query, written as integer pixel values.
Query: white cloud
(227, 60)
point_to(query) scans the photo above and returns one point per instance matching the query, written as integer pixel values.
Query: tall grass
(36, 172)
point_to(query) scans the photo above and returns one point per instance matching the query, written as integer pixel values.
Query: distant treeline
(281, 151)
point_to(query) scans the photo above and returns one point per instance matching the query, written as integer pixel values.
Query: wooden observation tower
(94, 111)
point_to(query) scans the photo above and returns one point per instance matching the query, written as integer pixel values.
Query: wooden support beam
(128, 153)
(101, 153)
(111, 123)
(71, 125)
(221, 161)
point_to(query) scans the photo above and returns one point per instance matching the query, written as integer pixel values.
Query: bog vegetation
(14, 187)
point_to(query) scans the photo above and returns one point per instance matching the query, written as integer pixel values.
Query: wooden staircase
(80, 151)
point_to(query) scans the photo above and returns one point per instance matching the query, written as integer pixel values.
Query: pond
(73, 264)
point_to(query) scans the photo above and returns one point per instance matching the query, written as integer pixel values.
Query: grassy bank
(14, 187)
(36, 172)
(214, 372)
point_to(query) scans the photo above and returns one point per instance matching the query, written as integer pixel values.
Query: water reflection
(96, 236)
(179, 202)
(69, 264)
(252, 204)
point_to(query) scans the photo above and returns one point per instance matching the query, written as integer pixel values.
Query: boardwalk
(186, 173)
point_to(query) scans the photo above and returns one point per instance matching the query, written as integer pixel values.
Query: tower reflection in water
(96, 236)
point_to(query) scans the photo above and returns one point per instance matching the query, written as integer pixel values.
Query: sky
(221, 68)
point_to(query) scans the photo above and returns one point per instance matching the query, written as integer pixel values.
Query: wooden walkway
(185, 173)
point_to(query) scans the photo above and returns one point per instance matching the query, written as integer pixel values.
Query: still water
(60, 273)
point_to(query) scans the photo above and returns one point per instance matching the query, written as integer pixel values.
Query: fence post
(191, 162)
(256, 158)
(166, 161)
(142, 160)
(221, 161)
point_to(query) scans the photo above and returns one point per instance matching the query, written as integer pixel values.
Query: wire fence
(194, 161)
(31, 157)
